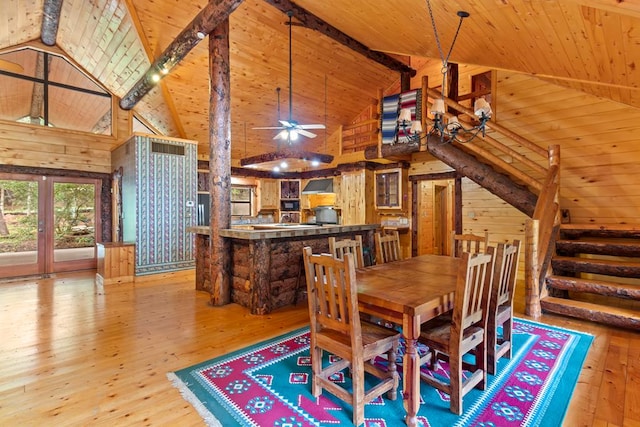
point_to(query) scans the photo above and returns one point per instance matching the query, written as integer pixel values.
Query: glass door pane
(20, 239)
(74, 223)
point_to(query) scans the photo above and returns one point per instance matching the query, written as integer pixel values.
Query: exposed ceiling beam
(50, 21)
(311, 21)
(626, 7)
(215, 12)
(286, 154)
(133, 13)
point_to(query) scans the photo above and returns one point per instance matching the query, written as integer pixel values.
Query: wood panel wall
(599, 148)
(40, 147)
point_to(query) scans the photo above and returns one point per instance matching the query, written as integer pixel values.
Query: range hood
(317, 186)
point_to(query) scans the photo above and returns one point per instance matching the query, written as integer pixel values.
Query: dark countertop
(284, 231)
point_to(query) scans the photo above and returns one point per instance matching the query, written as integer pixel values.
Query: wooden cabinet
(269, 194)
(355, 198)
(115, 262)
(388, 189)
(289, 200)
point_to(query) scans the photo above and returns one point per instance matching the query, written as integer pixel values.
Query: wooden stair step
(598, 313)
(596, 266)
(599, 287)
(599, 230)
(598, 247)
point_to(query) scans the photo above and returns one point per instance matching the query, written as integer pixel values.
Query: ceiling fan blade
(287, 124)
(306, 133)
(314, 126)
(282, 134)
(269, 127)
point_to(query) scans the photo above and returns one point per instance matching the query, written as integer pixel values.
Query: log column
(220, 163)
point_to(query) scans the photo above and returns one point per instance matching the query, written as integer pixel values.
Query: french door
(48, 224)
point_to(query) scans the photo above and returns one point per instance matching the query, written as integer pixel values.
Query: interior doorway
(434, 211)
(48, 224)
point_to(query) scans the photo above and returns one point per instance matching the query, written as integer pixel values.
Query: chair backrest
(505, 273)
(332, 294)
(387, 247)
(468, 243)
(352, 246)
(473, 288)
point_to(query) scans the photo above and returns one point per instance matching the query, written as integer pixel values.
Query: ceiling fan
(291, 129)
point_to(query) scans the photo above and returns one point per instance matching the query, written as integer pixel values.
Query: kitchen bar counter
(266, 263)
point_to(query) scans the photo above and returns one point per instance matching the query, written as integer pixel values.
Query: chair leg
(481, 363)
(316, 369)
(455, 384)
(492, 342)
(507, 329)
(357, 384)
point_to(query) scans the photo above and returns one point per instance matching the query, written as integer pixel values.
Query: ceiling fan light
(293, 135)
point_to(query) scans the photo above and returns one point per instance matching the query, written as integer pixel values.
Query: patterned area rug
(269, 384)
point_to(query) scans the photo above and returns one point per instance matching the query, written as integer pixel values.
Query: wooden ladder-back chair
(335, 327)
(353, 246)
(471, 243)
(463, 333)
(387, 247)
(501, 303)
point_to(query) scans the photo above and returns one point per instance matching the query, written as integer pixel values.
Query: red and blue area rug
(269, 385)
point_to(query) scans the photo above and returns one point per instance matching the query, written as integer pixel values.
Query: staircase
(596, 275)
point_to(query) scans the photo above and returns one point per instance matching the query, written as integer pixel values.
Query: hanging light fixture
(452, 130)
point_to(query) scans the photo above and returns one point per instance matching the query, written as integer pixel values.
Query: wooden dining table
(409, 292)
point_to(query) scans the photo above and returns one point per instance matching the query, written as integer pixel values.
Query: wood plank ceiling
(590, 45)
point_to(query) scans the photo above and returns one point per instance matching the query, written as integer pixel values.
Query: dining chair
(451, 338)
(468, 243)
(336, 328)
(353, 246)
(501, 303)
(387, 247)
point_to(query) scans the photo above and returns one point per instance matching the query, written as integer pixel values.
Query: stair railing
(540, 234)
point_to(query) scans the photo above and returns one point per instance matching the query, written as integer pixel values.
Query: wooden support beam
(311, 21)
(212, 15)
(50, 21)
(435, 176)
(286, 154)
(497, 183)
(220, 163)
(389, 150)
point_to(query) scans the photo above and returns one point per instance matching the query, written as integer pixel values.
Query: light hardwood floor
(73, 354)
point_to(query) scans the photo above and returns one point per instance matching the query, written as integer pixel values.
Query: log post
(532, 269)
(457, 208)
(220, 163)
(50, 21)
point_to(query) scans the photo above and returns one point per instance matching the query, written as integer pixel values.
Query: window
(241, 197)
(44, 89)
(388, 189)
